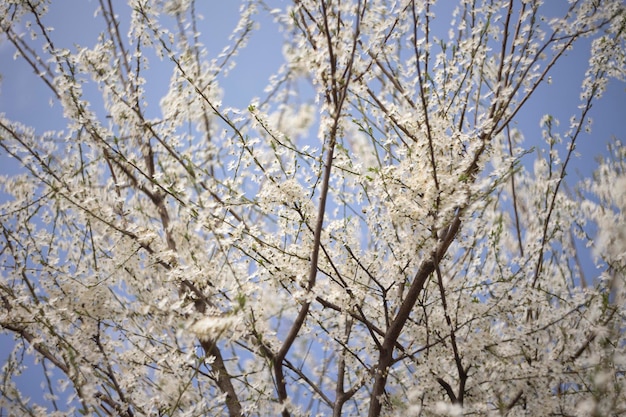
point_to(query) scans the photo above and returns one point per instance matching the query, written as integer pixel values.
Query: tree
(378, 246)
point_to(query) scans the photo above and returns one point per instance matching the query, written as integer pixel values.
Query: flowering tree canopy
(373, 236)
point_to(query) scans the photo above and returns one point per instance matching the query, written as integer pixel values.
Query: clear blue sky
(24, 99)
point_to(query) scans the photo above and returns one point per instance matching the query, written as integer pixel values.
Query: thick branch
(393, 332)
(223, 378)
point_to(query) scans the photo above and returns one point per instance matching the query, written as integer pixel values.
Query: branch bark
(385, 357)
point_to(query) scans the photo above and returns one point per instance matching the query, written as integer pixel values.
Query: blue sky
(24, 99)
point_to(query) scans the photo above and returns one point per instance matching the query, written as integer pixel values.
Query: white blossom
(382, 227)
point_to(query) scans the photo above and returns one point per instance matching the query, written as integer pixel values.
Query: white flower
(215, 327)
